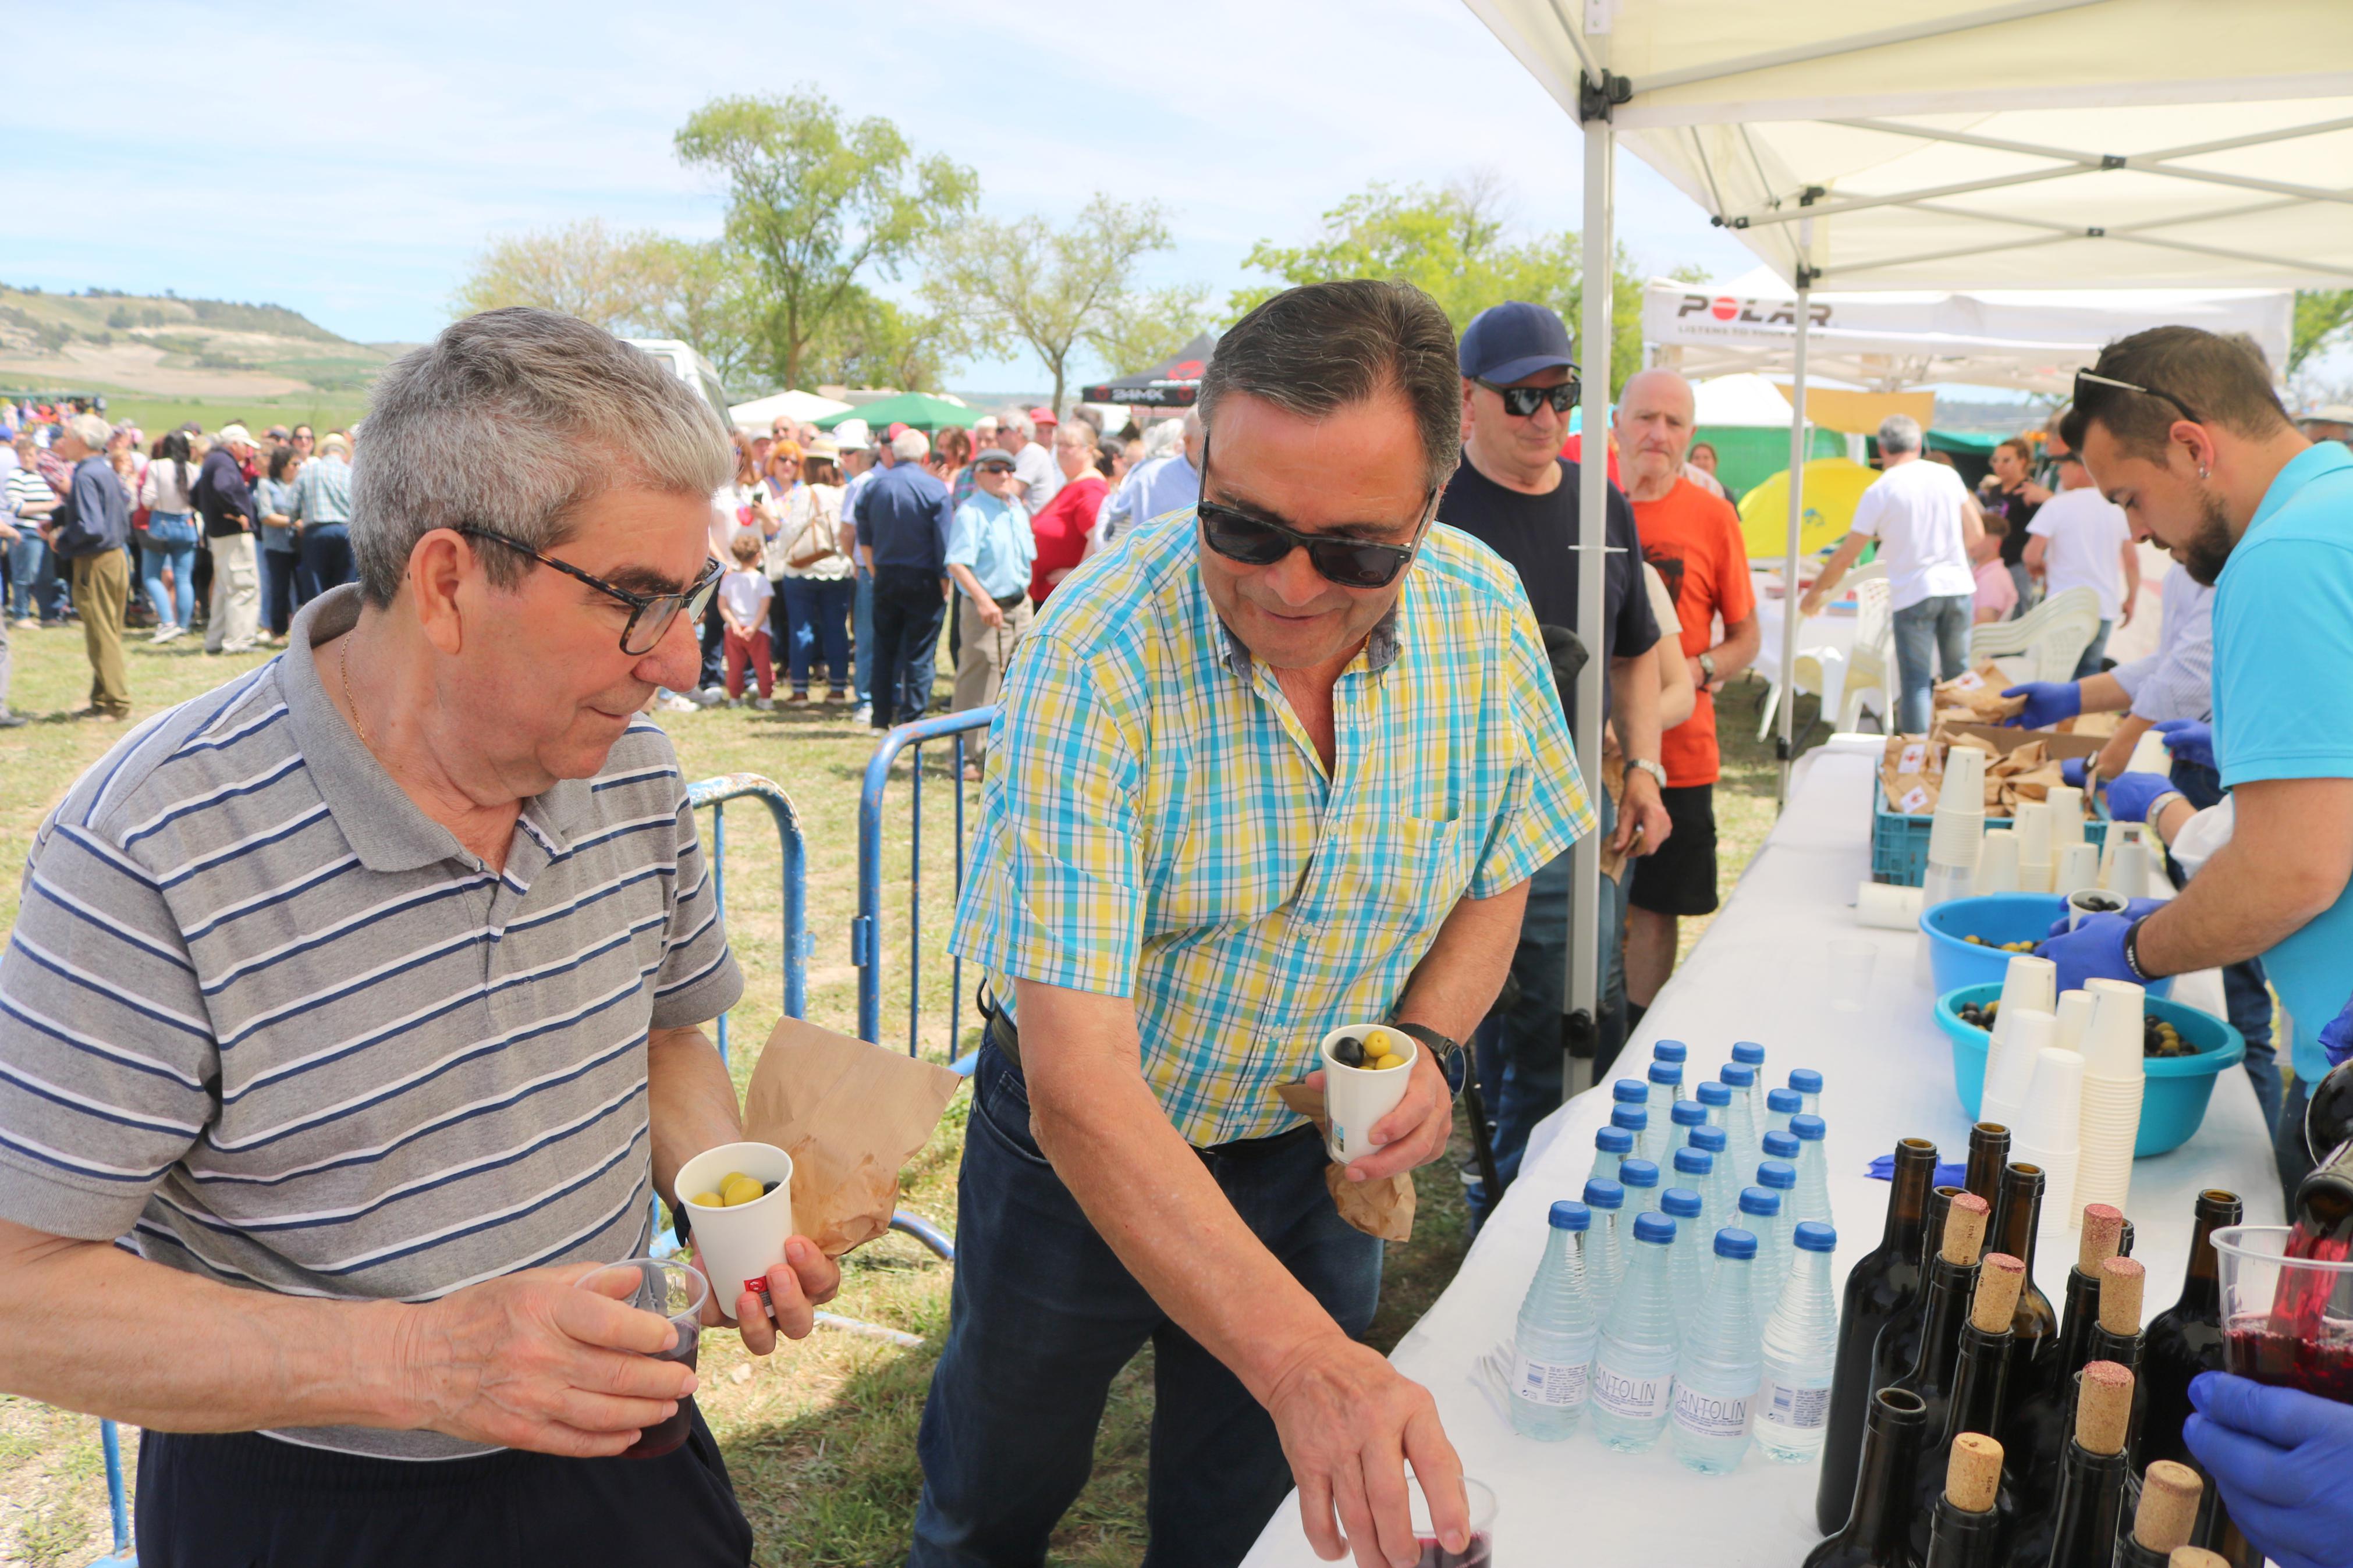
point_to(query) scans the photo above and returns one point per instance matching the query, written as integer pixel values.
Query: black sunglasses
(1342, 561)
(650, 614)
(2097, 381)
(1519, 402)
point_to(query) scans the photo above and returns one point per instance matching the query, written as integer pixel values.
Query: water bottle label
(1798, 1409)
(1549, 1384)
(1630, 1398)
(1711, 1415)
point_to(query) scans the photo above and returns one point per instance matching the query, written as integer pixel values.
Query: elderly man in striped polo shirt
(360, 998)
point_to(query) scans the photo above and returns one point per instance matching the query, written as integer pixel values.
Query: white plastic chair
(1871, 669)
(1821, 669)
(2045, 644)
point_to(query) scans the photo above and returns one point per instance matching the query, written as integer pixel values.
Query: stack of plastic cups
(2066, 803)
(1998, 862)
(2010, 1077)
(2128, 877)
(2110, 1120)
(2049, 1129)
(1955, 831)
(2033, 832)
(2120, 835)
(2029, 986)
(2078, 867)
(2074, 1016)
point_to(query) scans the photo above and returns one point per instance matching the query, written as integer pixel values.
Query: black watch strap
(1449, 1052)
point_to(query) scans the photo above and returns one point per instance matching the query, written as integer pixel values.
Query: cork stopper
(2168, 1505)
(2103, 1227)
(2196, 1557)
(1999, 1278)
(2121, 1280)
(1974, 1475)
(1965, 1227)
(2103, 1407)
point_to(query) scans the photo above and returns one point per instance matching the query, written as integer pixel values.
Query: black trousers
(908, 609)
(243, 1501)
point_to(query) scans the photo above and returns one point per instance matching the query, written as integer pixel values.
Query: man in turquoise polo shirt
(2183, 429)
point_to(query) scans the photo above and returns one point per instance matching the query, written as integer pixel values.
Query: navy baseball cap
(1505, 342)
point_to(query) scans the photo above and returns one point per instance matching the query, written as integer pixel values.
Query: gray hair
(1015, 420)
(1322, 347)
(911, 446)
(90, 431)
(513, 419)
(1899, 433)
(1163, 438)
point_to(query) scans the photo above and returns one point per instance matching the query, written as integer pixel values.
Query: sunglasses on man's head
(2092, 385)
(1519, 402)
(1259, 541)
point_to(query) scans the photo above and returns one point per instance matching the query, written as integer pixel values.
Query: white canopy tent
(1740, 399)
(2032, 143)
(798, 406)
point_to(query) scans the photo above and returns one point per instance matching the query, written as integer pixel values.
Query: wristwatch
(1708, 666)
(1449, 1055)
(1657, 772)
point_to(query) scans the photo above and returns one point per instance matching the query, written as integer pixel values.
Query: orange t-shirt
(1693, 539)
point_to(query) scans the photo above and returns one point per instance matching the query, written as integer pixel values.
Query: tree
(1028, 283)
(2322, 319)
(872, 342)
(706, 295)
(1151, 328)
(1456, 245)
(814, 201)
(581, 269)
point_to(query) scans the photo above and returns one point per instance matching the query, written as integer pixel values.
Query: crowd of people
(220, 532)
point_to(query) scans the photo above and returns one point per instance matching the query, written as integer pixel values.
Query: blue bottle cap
(1680, 1202)
(1694, 1162)
(1713, 1093)
(1631, 1092)
(1739, 1075)
(1633, 1118)
(1777, 1173)
(1784, 1099)
(1753, 1200)
(1749, 1052)
(1654, 1227)
(1808, 1127)
(1669, 1051)
(1711, 1139)
(1570, 1214)
(1813, 1235)
(1670, 1073)
(1688, 1114)
(1733, 1242)
(1638, 1173)
(1601, 1192)
(1614, 1141)
(1805, 1080)
(1780, 1146)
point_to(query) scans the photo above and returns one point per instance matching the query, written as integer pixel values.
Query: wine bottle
(2041, 1418)
(1875, 1532)
(2034, 1327)
(1965, 1524)
(2163, 1520)
(2080, 1532)
(1981, 1385)
(2116, 1337)
(1928, 1339)
(1879, 1287)
(2186, 1339)
(1989, 1154)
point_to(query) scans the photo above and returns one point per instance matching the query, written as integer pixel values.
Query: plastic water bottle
(1793, 1403)
(1558, 1328)
(1760, 1215)
(1751, 1055)
(1673, 1051)
(1723, 1191)
(1779, 1178)
(1717, 1374)
(1634, 1366)
(1695, 1169)
(1605, 1258)
(1780, 1104)
(1631, 1092)
(1666, 1088)
(1781, 1146)
(1813, 1167)
(1716, 1100)
(1682, 1116)
(1610, 1144)
(1807, 1082)
(1745, 1117)
(1687, 1271)
(1640, 1177)
(1636, 1123)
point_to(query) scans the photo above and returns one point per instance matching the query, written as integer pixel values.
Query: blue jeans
(32, 588)
(862, 633)
(2095, 650)
(1933, 632)
(2246, 995)
(279, 568)
(908, 611)
(171, 543)
(1042, 1316)
(817, 627)
(326, 561)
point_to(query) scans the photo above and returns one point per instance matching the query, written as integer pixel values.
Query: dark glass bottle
(2161, 1517)
(2117, 1336)
(1875, 1532)
(2034, 1326)
(1898, 1345)
(1937, 1348)
(1881, 1287)
(1980, 1388)
(1989, 1155)
(1960, 1536)
(2042, 1411)
(2186, 1339)
(2080, 1530)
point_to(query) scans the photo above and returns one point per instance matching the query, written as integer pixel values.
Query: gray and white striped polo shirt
(268, 1022)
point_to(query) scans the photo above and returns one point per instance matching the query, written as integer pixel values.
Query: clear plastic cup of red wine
(2287, 1306)
(1480, 1551)
(667, 1286)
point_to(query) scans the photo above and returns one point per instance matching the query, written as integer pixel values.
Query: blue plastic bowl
(2175, 1089)
(1998, 918)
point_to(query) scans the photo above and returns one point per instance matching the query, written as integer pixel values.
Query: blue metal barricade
(866, 929)
(715, 794)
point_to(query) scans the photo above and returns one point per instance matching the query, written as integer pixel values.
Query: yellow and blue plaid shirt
(1157, 823)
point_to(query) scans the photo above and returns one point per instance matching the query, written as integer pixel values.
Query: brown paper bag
(1911, 773)
(1383, 1208)
(2037, 783)
(851, 1114)
(1980, 690)
(1613, 779)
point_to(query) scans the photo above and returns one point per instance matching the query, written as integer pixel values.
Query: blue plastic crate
(1899, 841)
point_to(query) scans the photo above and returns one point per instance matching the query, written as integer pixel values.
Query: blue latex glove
(2129, 796)
(2095, 950)
(2191, 740)
(1882, 1169)
(2072, 769)
(2047, 702)
(2284, 1459)
(2336, 1037)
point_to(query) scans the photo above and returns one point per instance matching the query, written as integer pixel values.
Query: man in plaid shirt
(1281, 763)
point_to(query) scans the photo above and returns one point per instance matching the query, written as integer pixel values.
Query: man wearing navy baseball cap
(1518, 495)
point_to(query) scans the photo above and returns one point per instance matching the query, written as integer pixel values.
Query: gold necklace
(343, 664)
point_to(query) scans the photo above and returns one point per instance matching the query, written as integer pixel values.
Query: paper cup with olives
(1365, 1068)
(739, 1199)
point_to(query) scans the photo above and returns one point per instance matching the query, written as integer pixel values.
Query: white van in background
(690, 368)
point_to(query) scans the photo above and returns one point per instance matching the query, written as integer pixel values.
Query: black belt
(1010, 600)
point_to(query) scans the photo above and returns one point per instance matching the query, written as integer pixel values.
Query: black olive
(1348, 1051)
(767, 1187)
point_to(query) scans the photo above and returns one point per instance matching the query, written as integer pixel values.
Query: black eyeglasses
(650, 614)
(1519, 402)
(1256, 541)
(2083, 376)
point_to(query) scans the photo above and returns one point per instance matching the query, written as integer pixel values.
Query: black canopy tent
(1171, 385)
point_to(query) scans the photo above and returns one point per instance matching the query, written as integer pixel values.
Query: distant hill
(169, 347)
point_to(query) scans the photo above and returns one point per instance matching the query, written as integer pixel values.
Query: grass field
(819, 1438)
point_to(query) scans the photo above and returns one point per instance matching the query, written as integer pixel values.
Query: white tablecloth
(1887, 1074)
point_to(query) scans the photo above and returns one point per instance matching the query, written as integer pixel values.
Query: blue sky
(350, 163)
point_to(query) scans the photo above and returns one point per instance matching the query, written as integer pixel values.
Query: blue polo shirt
(902, 517)
(2283, 701)
(993, 538)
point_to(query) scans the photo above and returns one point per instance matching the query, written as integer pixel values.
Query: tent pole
(1786, 749)
(1581, 998)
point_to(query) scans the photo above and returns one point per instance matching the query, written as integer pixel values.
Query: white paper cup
(2051, 1118)
(737, 1246)
(2129, 878)
(2066, 803)
(2078, 870)
(2033, 832)
(2074, 1015)
(1953, 837)
(1887, 907)
(2019, 1034)
(1356, 1098)
(2112, 1043)
(1964, 777)
(2090, 899)
(1998, 862)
